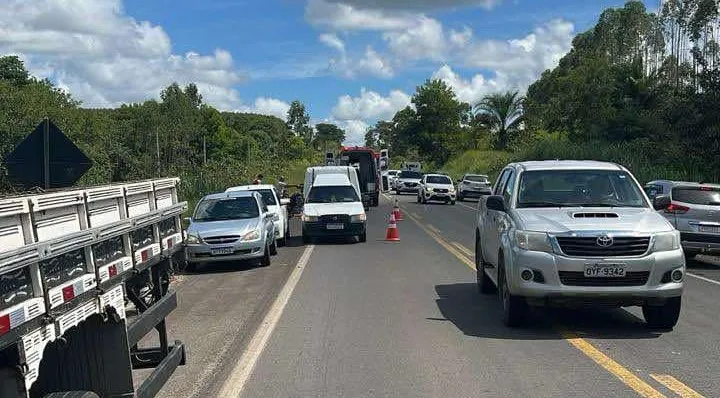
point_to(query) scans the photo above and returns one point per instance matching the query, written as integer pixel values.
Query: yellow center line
(432, 228)
(617, 370)
(463, 249)
(676, 386)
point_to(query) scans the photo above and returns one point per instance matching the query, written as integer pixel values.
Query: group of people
(296, 200)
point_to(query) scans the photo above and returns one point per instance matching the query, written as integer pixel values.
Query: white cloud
(354, 131)
(473, 90)
(104, 57)
(268, 106)
(331, 40)
(341, 16)
(371, 63)
(425, 40)
(461, 38)
(417, 4)
(370, 105)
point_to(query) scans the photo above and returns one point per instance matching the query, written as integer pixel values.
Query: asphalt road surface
(404, 319)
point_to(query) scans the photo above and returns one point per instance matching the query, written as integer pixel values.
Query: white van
(312, 172)
(333, 208)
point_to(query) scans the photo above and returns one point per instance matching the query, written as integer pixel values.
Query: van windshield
(332, 194)
(227, 209)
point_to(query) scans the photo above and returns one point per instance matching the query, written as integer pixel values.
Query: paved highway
(400, 319)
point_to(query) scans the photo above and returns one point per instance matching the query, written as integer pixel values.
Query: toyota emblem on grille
(604, 240)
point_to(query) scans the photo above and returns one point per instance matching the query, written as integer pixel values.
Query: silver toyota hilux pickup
(577, 233)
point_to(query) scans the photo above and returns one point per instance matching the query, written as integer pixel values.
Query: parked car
(577, 233)
(473, 186)
(693, 209)
(436, 187)
(407, 181)
(275, 204)
(333, 207)
(231, 226)
(392, 177)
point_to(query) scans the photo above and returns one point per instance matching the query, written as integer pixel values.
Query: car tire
(266, 260)
(273, 248)
(484, 283)
(452, 202)
(362, 237)
(514, 307)
(418, 199)
(460, 197)
(664, 316)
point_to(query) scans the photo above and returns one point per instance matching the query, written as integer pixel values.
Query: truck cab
(576, 233)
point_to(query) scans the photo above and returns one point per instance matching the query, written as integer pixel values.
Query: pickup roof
(575, 233)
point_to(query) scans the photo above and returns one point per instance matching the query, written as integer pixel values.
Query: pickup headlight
(429, 189)
(358, 218)
(666, 241)
(252, 235)
(193, 239)
(307, 218)
(534, 241)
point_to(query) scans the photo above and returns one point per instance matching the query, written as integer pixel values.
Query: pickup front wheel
(514, 307)
(664, 316)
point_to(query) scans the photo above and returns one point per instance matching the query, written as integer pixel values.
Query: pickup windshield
(332, 194)
(410, 174)
(438, 180)
(583, 188)
(227, 209)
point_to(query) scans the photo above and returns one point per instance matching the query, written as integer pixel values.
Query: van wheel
(273, 248)
(452, 202)
(484, 283)
(664, 316)
(514, 307)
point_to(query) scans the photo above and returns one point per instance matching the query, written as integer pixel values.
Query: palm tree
(501, 114)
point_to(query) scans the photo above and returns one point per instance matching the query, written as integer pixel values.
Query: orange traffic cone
(392, 230)
(396, 212)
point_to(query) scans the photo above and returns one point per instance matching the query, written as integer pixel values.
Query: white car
(437, 187)
(275, 205)
(333, 208)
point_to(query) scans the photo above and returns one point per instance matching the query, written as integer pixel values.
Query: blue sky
(351, 62)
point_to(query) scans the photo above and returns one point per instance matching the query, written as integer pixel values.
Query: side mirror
(661, 202)
(496, 202)
(284, 202)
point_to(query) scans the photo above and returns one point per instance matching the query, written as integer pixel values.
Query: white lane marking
(469, 207)
(243, 369)
(703, 278)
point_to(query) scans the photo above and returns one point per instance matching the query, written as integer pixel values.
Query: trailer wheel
(12, 384)
(72, 394)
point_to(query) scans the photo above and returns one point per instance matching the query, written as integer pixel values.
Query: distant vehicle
(436, 187)
(577, 233)
(313, 172)
(473, 186)
(693, 209)
(407, 181)
(392, 177)
(333, 208)
(412, 166)
(231, 226)
(368, 171)
(275, 204)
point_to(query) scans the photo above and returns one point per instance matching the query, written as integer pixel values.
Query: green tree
(327, 135)
(12, 70)
(502, 115)
(297, 121)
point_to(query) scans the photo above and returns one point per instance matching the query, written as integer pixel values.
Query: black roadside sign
(47, 159)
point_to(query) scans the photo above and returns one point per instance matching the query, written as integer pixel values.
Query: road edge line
(702, 278)
(244, 367)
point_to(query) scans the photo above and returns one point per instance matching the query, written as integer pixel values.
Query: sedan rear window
(476, 178)
(708, 196)
(410, 174)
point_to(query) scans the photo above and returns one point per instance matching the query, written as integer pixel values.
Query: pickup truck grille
(440, 190)
(588, 247)
(574, 278)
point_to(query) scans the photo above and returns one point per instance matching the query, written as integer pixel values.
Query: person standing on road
(281, 187)
(258, 179)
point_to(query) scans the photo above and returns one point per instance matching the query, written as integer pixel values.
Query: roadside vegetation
(179, 135)
(638, 88)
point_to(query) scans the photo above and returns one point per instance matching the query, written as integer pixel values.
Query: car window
(475, 178)
(332, 194)
(438, 180)
(410, 174)
(392, 172)
(499, 184)
(653, 190)
(227, 209)
(571, 188)
(708, 196)
(268, 196)
(263, 205)
(509, 187)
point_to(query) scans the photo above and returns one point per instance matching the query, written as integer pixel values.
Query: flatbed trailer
(73, 262)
